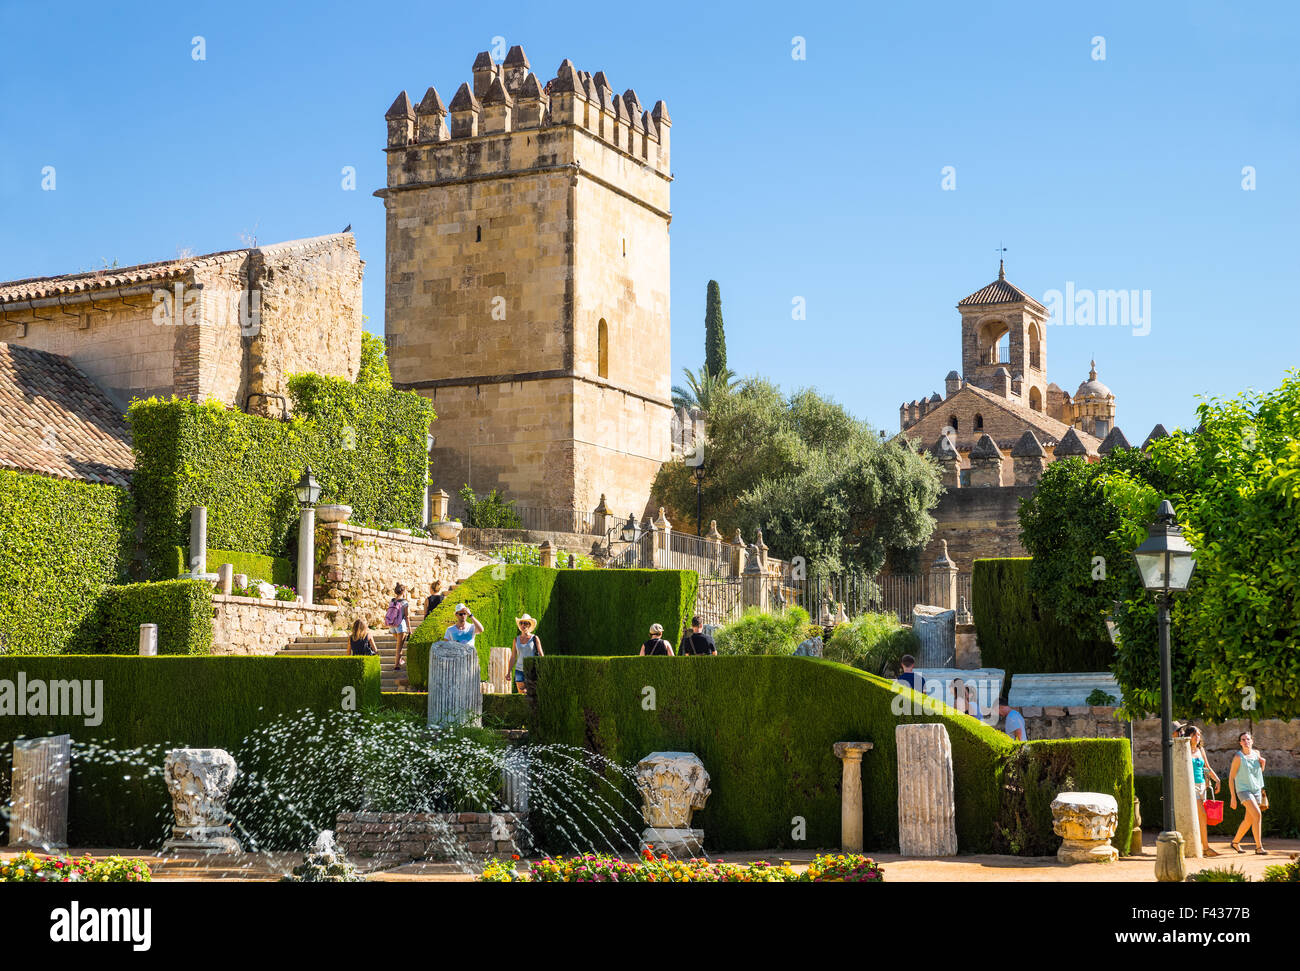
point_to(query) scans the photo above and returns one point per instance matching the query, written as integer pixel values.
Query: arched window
(979, 423)
(994, 343)
(1035, 399)
(952, 422)
(478, 238)
(602, 348)
(1035, 347)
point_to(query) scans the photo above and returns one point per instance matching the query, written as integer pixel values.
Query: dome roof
(1092, 388)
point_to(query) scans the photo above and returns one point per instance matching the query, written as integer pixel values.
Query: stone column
(199, 780)
(307, 554)
(850, 756)
(943, 580)
(754, 585)
(499, 670)
(546, 554)
(602, 518)
(737, 555)
(198, 540)
(148, 640)
(42, 770)
(927, 815)
(1186, 817)
(225, 578)
(455, 695)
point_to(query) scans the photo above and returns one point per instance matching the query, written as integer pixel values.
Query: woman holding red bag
(1201, 769)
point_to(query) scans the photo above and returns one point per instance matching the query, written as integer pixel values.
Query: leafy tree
(374, 372)
(492, 511)
(703, 388)
(715, 340)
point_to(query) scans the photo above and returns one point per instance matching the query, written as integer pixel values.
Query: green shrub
(499, 711)
(273, 569)
(578, 612)
(182, 609)
(1283, 872)
(60, 544)
(872, 643)
(150, 705)
(757, 632)
(1281, 819)
(1015, 635)
(522, 554)
(1219, 874)
(366, 445)
(492, 511)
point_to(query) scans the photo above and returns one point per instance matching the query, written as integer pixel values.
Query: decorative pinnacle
(401, 108)
(431, 104)
(465, 100)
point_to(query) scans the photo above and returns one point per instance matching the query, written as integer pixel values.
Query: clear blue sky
(818, 178)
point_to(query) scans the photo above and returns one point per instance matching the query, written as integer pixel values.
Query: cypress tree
(715, 341)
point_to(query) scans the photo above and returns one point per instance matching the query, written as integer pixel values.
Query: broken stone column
(673, 786)
(199, 780)
(1187, 820)
(148, 640)
(42, 770)
(1085, 821)
(198, 540)
(936, 629)
(927, 814)
(226, 578)
(499, 673)
(455, 695)
(850, 756)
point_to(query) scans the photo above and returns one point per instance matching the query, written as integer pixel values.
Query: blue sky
(818, 178)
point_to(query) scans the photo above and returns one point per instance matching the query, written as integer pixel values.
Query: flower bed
(30, 868)
(602, 868)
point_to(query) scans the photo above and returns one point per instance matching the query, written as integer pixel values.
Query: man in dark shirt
(910, 677)
(697, 642)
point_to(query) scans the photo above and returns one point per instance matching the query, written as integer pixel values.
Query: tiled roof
(55, 421)
(999, 291)
(37, 288)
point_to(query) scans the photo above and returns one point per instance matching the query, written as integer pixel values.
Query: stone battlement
(508, 97)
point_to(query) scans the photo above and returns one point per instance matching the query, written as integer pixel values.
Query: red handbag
(1213, 811)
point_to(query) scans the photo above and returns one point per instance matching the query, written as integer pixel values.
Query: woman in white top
(527, 644)
(963, 698)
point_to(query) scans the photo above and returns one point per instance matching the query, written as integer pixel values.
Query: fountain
(323, 863)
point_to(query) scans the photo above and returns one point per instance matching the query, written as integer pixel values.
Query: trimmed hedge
(499, 711)
(60, 543)
(150, 705)
(1281, 818)
(366, 445)
(182, 609)
(769, 751)
(1015, 635)
(273, 569)
(578, 612)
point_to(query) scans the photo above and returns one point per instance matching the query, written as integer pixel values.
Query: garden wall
(357, 568)
(250, 626)
(398, 837)
(764, 728)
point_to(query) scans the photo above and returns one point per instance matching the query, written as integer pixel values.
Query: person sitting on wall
(908, 676)
(698, 643)
(435, 597)
(362, 642)
(466, 627)
(656, 645)
(527, 644)
(1015, 722)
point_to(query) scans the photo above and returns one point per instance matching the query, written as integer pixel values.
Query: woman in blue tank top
(1246, 781)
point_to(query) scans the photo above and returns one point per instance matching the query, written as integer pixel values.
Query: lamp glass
(629, 530)
(307, 489)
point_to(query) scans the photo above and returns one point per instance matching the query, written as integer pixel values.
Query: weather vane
(1001, 265)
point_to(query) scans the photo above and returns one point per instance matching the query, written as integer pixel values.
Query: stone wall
(357, 569)
(489, 539)
(1278, 741)
(977, 523)
(427, 836)
(247, 626)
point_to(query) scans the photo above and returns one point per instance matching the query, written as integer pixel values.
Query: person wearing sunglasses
(466, 627)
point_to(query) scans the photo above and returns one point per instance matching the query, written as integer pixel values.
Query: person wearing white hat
(656, 645)
(527, 644)
(465, 628)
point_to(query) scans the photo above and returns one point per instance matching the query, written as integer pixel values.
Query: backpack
(393, 617)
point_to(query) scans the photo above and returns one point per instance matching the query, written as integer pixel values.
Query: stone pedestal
(42, 770)
(148, 640)
(1187, 820)
(850, 756)
(1170, 867)
(927, 814)
(936, 629)
(455, 696)
(226, 578)
(1085, 821)
(673, 786)
(199, 780)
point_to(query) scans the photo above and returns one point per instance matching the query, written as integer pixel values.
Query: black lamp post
(699, 499)
(307, 489)
(1165, 561)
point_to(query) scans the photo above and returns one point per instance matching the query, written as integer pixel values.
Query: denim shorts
(1244, 794)
(519, 675)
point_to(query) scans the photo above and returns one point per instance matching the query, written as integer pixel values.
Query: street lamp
(627, 533)
(699, 499)
(307, 489)
(1165, 561)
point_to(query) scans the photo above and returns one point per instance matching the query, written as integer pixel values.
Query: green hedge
(182, 609)
(366, 445)
(499, 711)
(1281, 818)
(150, 705)
(578, 612)
(60, 543)
(1015, 635)
(764, 728)
(273, 569)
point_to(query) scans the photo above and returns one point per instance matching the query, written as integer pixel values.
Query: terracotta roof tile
(55, 421)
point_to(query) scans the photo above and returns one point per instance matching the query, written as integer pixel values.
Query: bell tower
(1002, 327)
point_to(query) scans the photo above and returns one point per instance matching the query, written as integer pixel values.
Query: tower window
(1035, 399)
(979, 423)
(625, 247)
(952, 421)
(602, 348)
(478, 237)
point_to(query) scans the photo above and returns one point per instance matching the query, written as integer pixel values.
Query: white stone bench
(987, 683)
(1059, 690)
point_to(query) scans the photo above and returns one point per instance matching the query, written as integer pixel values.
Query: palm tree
(702, 388)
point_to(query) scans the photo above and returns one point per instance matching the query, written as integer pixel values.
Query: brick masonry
(427, 836)
(248, 626)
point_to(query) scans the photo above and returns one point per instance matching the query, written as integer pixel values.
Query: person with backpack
(656, 645)
(527, 644)
(698, 643)
(396, 620)
(362, 642)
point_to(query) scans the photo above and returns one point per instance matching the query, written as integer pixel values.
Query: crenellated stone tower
(527, 282)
